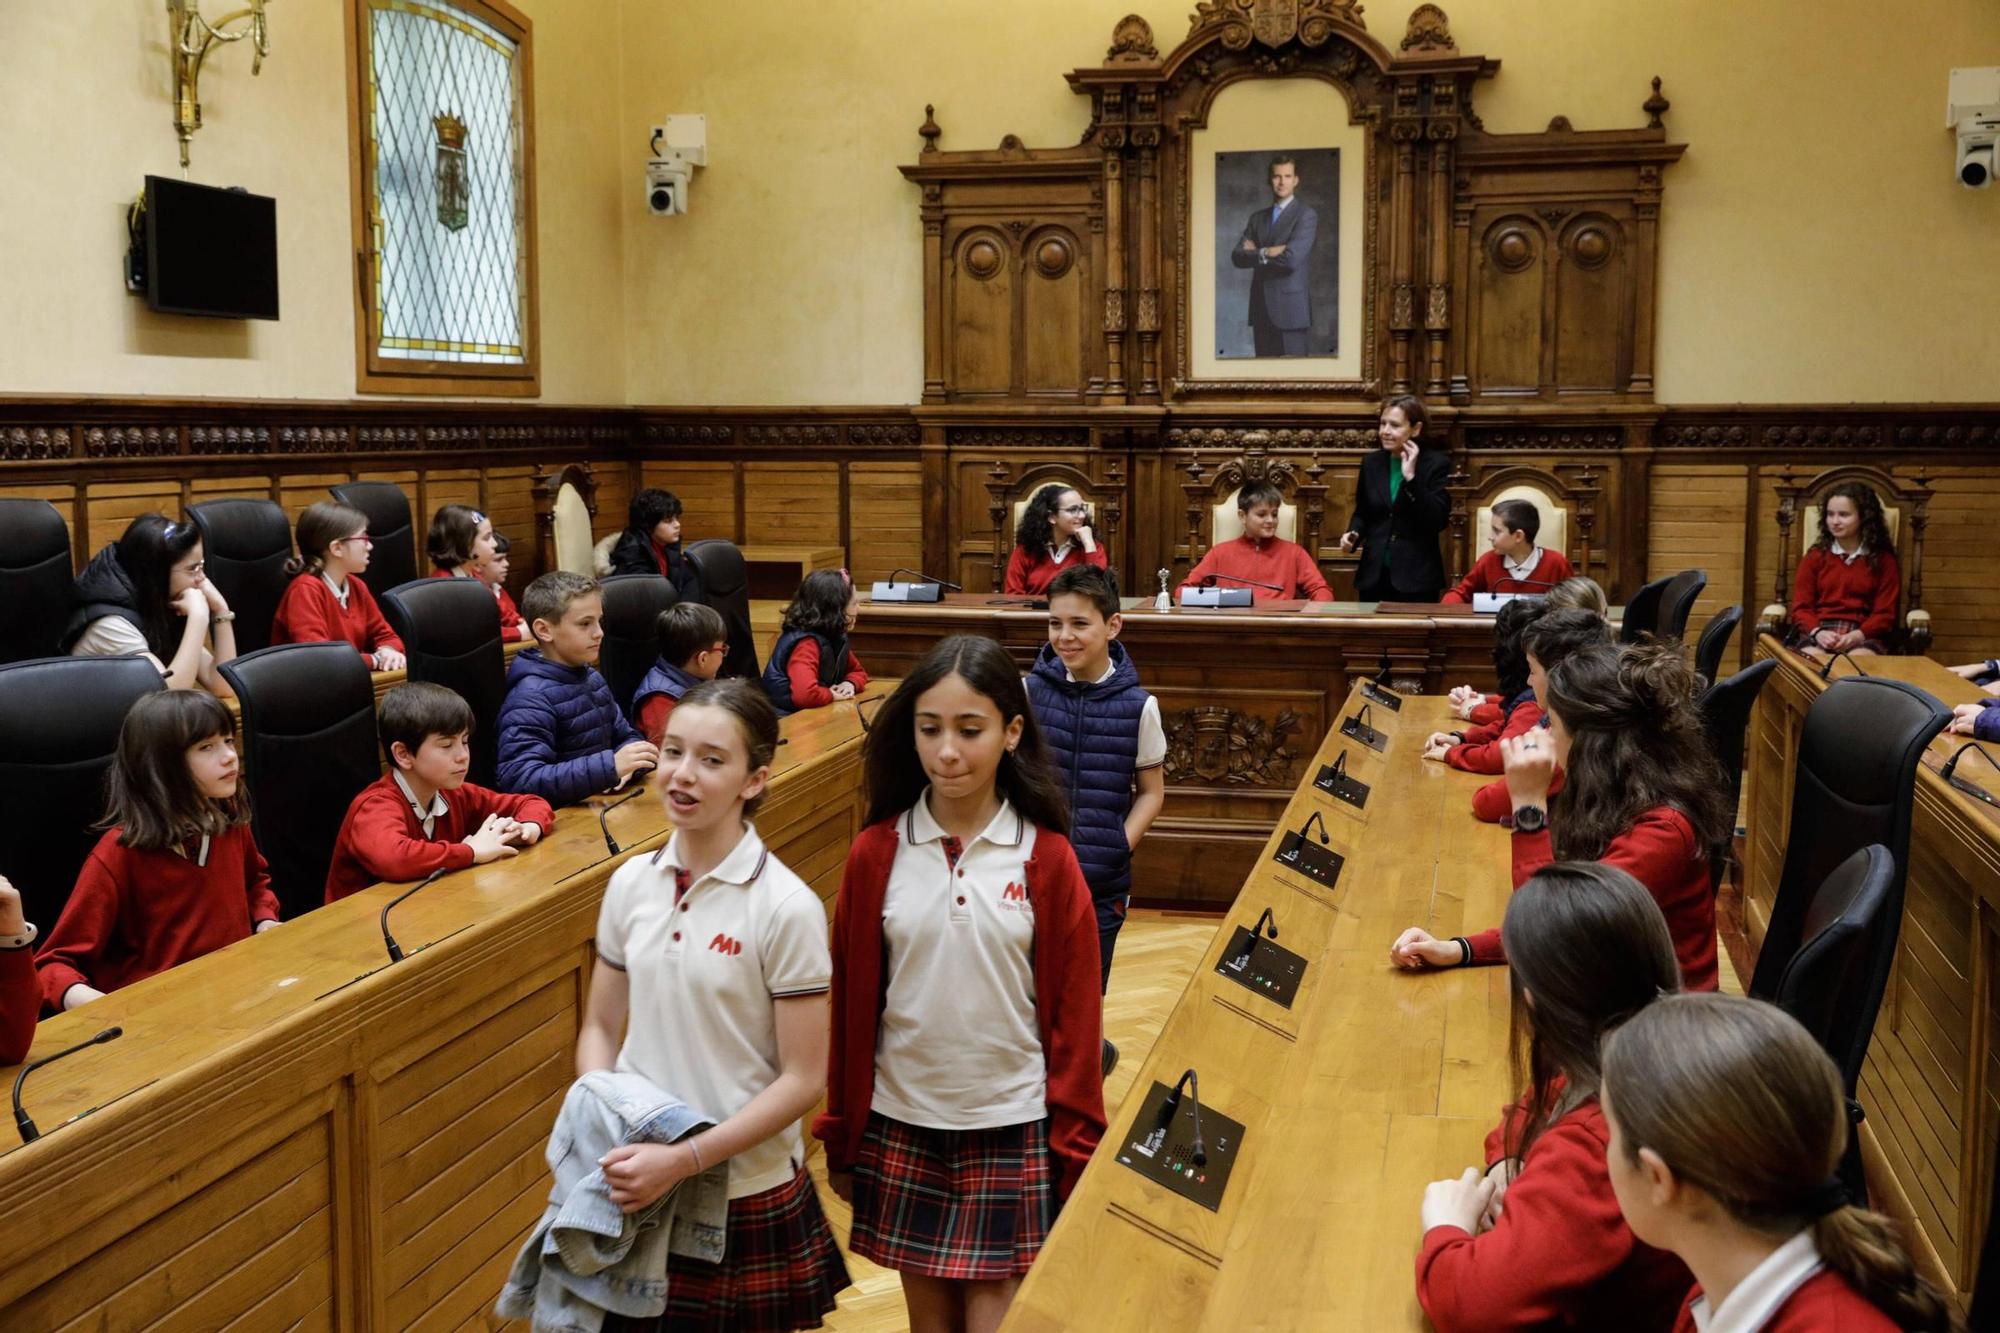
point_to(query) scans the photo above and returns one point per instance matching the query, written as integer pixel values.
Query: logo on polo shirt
(725, 945)
(1014, 898)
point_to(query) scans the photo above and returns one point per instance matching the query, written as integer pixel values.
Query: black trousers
(1281, 342)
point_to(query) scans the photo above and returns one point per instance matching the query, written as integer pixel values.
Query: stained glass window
(446, 187)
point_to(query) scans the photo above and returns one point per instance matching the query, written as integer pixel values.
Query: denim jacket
(585, 1256)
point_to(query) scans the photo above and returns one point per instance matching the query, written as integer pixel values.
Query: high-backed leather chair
(59, 722)
(37, 582)
(1642, 612)
(1829, 985)
(452, 638)
(1725, 708)
(1677, 602)
(308, 749)
(1714, 641)
(246, 544)
(395, 556)
(1854, 784)
(725, 586)
(632, 606)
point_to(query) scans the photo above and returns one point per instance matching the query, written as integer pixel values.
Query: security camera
(1972, 109)
(666, 187)
(678, 147)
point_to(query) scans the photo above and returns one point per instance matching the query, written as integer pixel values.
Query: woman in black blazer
(1396, 527)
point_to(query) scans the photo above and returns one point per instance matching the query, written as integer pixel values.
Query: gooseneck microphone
(604, 817)
(1311, 819)
(862, 713)
(1208, 581)
(1267, 925)
(922, 577)
(1173, 1104)
(21, 1121)
(1826, 672)
(1960, 784)
(395, 949)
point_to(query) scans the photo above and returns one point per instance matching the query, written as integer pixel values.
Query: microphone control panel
(1357, 729)
(1262, 967)
(1297, 851)
(905, 592)
(1381, 697)
(1343, 787)
(1164, 1154)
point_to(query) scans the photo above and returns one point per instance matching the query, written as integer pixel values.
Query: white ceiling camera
(678, 147)
(1973, 109)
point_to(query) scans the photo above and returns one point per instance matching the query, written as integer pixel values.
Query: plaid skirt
(972, 1205)
(781, 1271)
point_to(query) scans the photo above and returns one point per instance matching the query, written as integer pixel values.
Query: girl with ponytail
(327, 600)
(1727, 1127)
(1642, 792)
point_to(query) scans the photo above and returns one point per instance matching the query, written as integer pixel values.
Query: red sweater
(1824, 1303)
(1863, 593)
(1492, 803)
(20, 1000)
(1661, 851)
(1068, 1006)
(1276, 561)
(512, 627)
(1030, 575)
(802, 669)
(135, 913)
(310, 613)
(382, 839)
(1489, 574)
(1490, 712)
(1479, 754)
(1560, 1255)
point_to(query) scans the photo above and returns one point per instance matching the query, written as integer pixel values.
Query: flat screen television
(210, 251)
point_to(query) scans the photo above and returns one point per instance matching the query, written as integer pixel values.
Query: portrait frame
(1243, 191)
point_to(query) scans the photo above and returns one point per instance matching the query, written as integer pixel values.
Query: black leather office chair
(1725, 708)
(37, 579)
(1829, 984)
(632, 605)
(452, 637)
(725, 586)
(59, 722)
(246, 544)
(394, 559)
(1642, 612)
(1854, 784)
(1677, 602)
(308, 749)
(1714, 641)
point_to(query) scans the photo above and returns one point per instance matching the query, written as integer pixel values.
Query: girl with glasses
(327, 601)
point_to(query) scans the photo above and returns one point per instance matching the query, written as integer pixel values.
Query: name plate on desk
(1215, 597)
(905, 592)
(1489, 603)
(1367, 735)
(1258, 965)
(1165, 1154)
(1379, 694)
(1296, 851)
(1342, 786)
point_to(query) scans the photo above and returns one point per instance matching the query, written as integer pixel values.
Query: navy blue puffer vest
(832, 666)
(1092, 731)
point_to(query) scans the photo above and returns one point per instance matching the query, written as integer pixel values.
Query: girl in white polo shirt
(963, 1091)
(717, 954)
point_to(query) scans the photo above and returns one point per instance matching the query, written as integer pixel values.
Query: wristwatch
(1530, 819)
(224, 618)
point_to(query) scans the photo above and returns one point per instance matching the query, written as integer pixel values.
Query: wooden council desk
(1931, 1084)
(1242, 693)
(294, 1133)
(1373, 1084)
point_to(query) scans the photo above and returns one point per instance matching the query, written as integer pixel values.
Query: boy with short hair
(1104, 733)
(693, 642)
(1274, 569)
(561, 734)
(422, 815)
(1513, 563)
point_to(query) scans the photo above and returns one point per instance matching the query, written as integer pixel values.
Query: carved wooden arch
(1003, 488)
(1579, 489)
(1303, 486)
(547, 486)
(1912, 497)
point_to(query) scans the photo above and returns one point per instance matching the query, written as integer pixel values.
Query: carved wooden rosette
(1216, 745)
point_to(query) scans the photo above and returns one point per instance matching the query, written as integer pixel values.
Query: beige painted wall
(1816, 247)
(84, 94)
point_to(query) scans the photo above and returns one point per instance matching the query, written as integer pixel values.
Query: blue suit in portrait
(1280, 305)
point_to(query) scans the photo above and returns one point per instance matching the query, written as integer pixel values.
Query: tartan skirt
(966, 1204)
(781, 1270)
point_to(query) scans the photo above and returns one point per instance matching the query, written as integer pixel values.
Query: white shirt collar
(428, 818)
(1849, 557)
(1057, 554)
(1284, 204)
(1525, 565)
(1111, 669)
(339, 590)
(743, 865)
(1764, 1291)
(1005, 829)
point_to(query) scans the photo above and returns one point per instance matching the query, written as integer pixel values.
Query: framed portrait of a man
(1277, 253)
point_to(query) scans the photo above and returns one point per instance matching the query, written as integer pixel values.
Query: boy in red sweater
(1514, 564)
(401, 827)
(1260, 556)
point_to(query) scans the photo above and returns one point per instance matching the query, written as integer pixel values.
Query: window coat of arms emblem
(453, 184)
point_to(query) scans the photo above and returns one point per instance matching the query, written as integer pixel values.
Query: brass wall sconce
(190, 38)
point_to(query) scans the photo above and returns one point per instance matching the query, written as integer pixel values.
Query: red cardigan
(1863, 593)
(1068, 1006)
(1493, 803)
(1030, 575)
(1661, 851)
(802, 669)
(1490, 712)
(1560, 1255)
(1483, 755)
(1824, 1303)
(1277, 561)
(512, 627)
(20, 1000)
(1489, 574)
(382, 839)
(310, 613)
(133, 913)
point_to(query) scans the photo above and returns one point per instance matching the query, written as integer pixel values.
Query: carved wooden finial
(1429, 30)
(1656, 107)
(1132, 43)
(929, 129)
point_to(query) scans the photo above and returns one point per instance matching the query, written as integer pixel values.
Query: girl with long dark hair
(1054, 535)
(1845, 592)
(148, 593)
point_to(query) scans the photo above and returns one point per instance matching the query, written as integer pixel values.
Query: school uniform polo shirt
(959, 1046)
(704, 974)
(426, 816)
